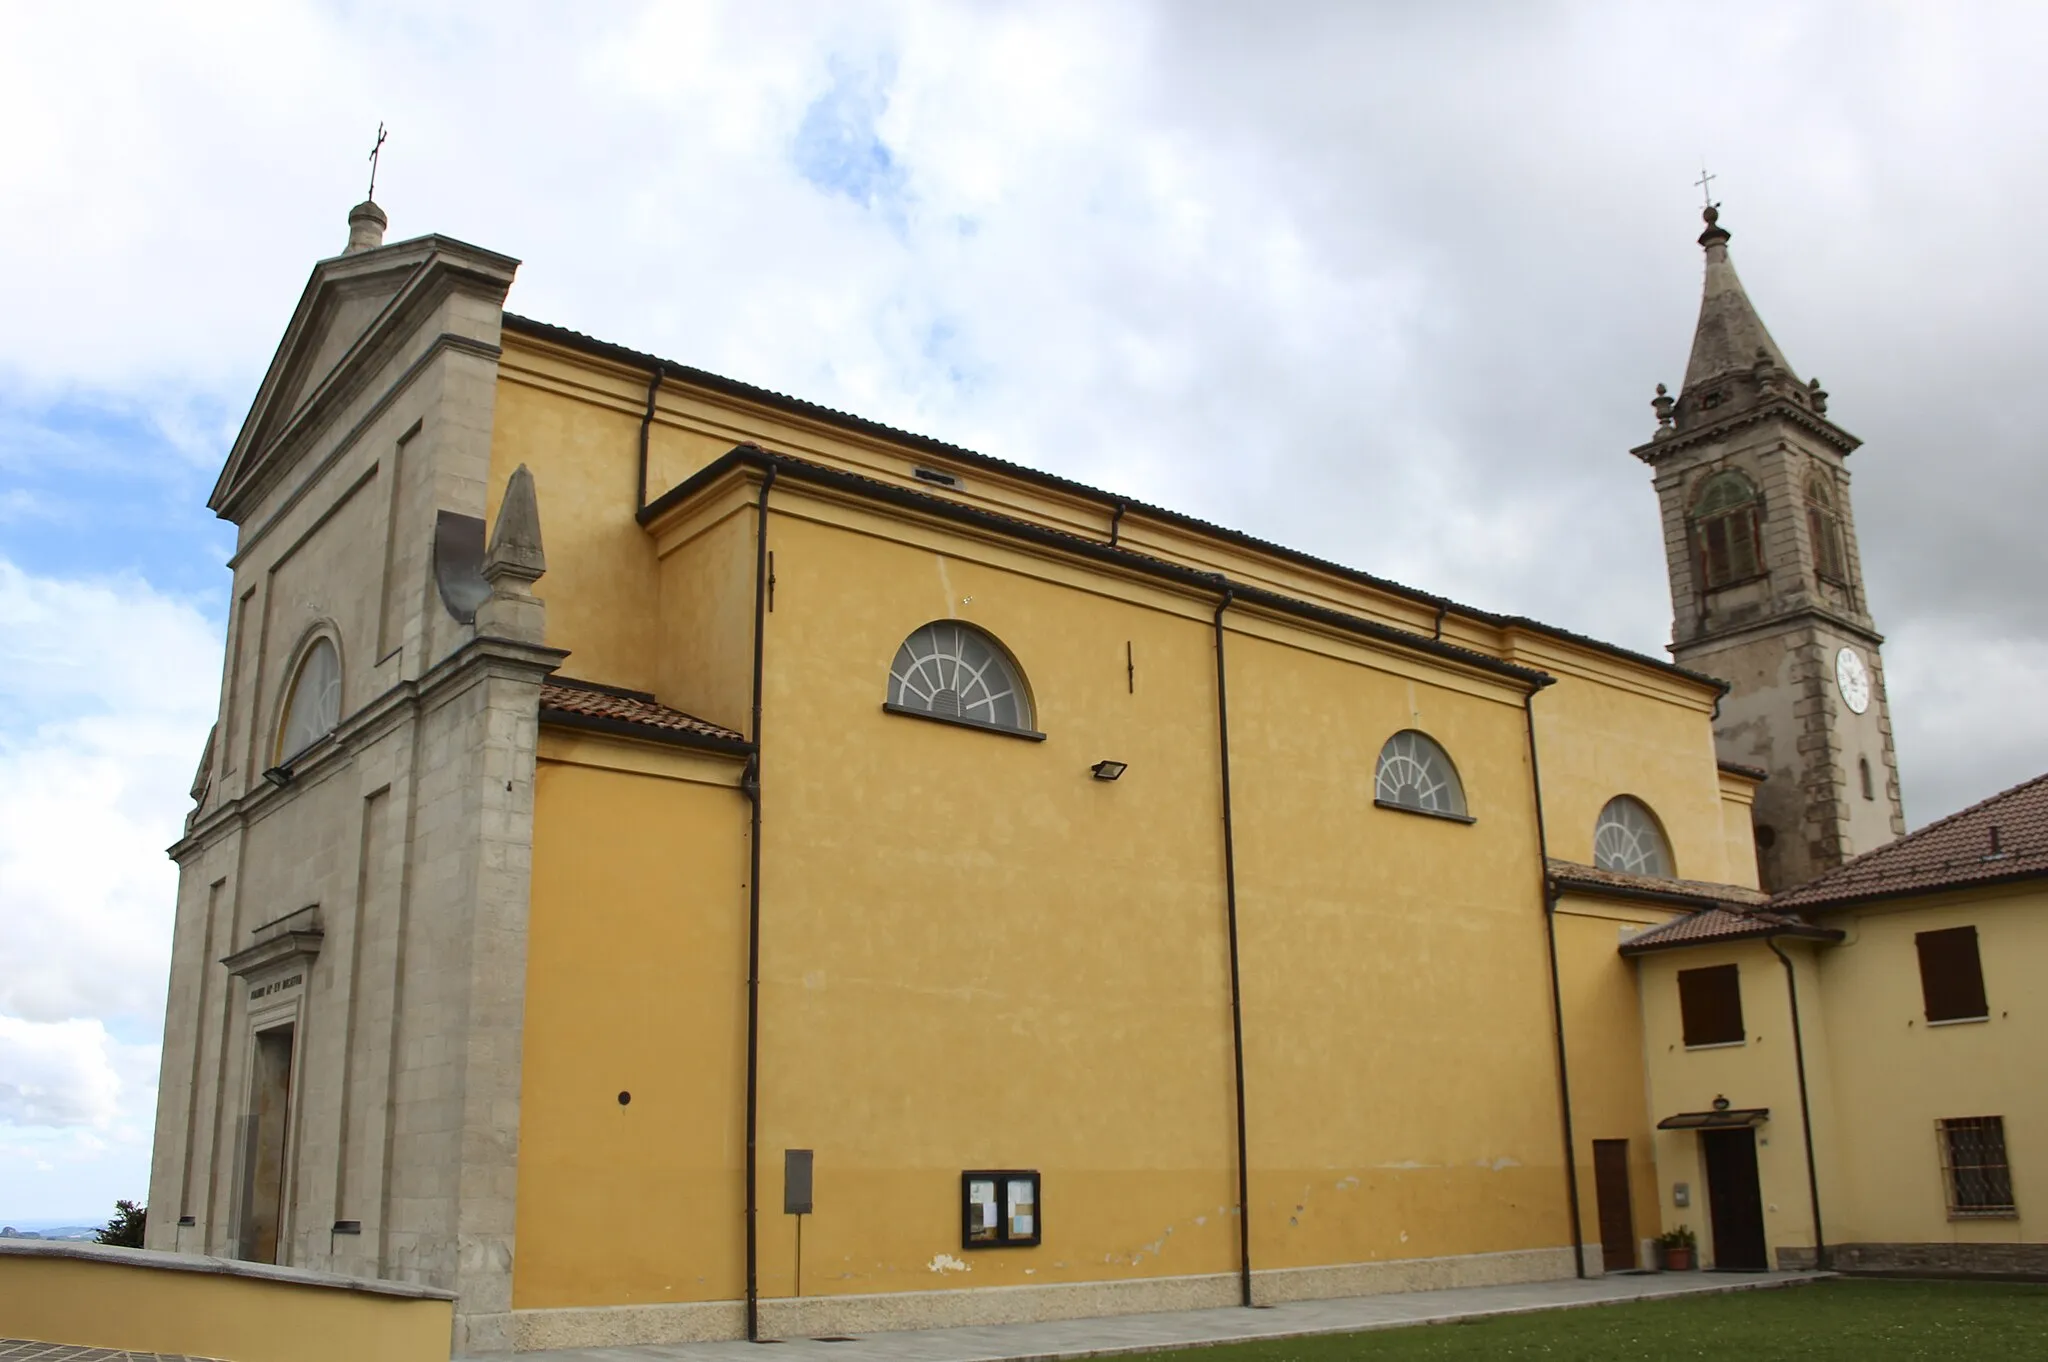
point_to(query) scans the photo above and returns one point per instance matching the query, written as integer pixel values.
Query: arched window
(1725, 529)
(1628, 838)
(1826, 528)
(314, 705)
(1414, 773)
(953, 671)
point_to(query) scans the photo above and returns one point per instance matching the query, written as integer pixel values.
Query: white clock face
(1852, 680)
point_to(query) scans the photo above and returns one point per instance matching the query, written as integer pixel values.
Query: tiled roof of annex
(587, 704)
(1598, 880)
(1710, 925)
(2004, 837)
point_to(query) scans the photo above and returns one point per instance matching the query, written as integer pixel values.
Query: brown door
(1735, 1200)
(1617, 1214)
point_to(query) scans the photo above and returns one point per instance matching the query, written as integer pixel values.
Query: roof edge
(1109, 501)
(749, 455)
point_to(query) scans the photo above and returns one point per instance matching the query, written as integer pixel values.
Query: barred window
(952, 671)
(1628, 838)
(1415, 773)
(1726, 530)
(1973, 1167)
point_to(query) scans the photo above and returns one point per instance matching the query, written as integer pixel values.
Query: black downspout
(1244, 1204)
(1564, 1079)
(1820, 1243)
(646, 424)
(1115, 523)
(753, 792)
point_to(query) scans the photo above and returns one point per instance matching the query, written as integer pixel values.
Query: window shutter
(1742, 555)
(1951, 974)
(1715, 536)
(1710, 1005)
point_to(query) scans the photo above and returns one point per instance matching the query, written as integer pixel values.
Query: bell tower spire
(1767, 583)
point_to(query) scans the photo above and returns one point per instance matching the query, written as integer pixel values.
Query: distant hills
(46, 1230)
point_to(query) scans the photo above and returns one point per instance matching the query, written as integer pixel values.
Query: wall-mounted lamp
(1720, 1104)
(279, 775)
(1109, 770)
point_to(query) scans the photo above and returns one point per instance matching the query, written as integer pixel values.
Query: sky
(1389, 283)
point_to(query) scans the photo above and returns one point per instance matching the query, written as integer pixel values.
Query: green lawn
(1868, 1321)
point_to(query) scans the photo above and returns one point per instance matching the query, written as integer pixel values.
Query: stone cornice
(394, 706)
(1775, 624)
(1655, 452)
(281, 949)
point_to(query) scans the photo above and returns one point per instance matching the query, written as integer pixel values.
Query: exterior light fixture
(279, 775)
(1720, 1104)
(1109, 770)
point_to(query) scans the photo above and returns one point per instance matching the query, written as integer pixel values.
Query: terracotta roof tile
(609, 707)
(2003, 838)
(1572, 875)
(1723, 924)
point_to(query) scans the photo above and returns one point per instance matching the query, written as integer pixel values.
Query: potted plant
(1677, 1248)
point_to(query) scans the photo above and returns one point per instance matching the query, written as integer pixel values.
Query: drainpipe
(1244, 1204)
(1820, 1243)
(752, 788)
(1564, 1081)
(1115, 522)
(646, 424)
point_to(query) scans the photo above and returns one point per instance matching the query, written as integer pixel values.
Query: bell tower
(1767, 593)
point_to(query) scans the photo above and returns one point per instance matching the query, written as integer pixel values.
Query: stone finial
(366, 224)
(1663, 402)
(513, 563)
(1716, 234)
(1817, 397)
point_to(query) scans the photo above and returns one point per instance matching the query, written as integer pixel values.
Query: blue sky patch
(837, 147)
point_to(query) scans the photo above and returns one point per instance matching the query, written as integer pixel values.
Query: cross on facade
(374, 151)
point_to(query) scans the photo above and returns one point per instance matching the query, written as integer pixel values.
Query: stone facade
(393, 851)
(1774, 635)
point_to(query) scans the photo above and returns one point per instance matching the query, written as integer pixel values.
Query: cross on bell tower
(1767, 592)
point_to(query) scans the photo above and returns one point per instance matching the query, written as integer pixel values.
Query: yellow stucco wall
(1607, 729)
(1899, 1075)
(153, 1309)
(1759, 1072)
(636, 966)
(1401, 1085)
(1603, 1019)
(976, 956)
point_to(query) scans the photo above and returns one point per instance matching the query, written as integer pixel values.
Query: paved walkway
(1075, 1338)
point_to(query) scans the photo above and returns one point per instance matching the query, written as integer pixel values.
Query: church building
(677, 861)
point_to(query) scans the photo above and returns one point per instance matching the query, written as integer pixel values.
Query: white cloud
(105, 698)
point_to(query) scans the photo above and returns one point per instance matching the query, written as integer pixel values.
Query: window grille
(1415, 773)
(1627, 838)
(1973, 1167)
(952, 671)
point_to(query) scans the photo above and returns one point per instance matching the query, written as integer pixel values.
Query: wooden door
(1617, 1213)
(1735, 1200)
